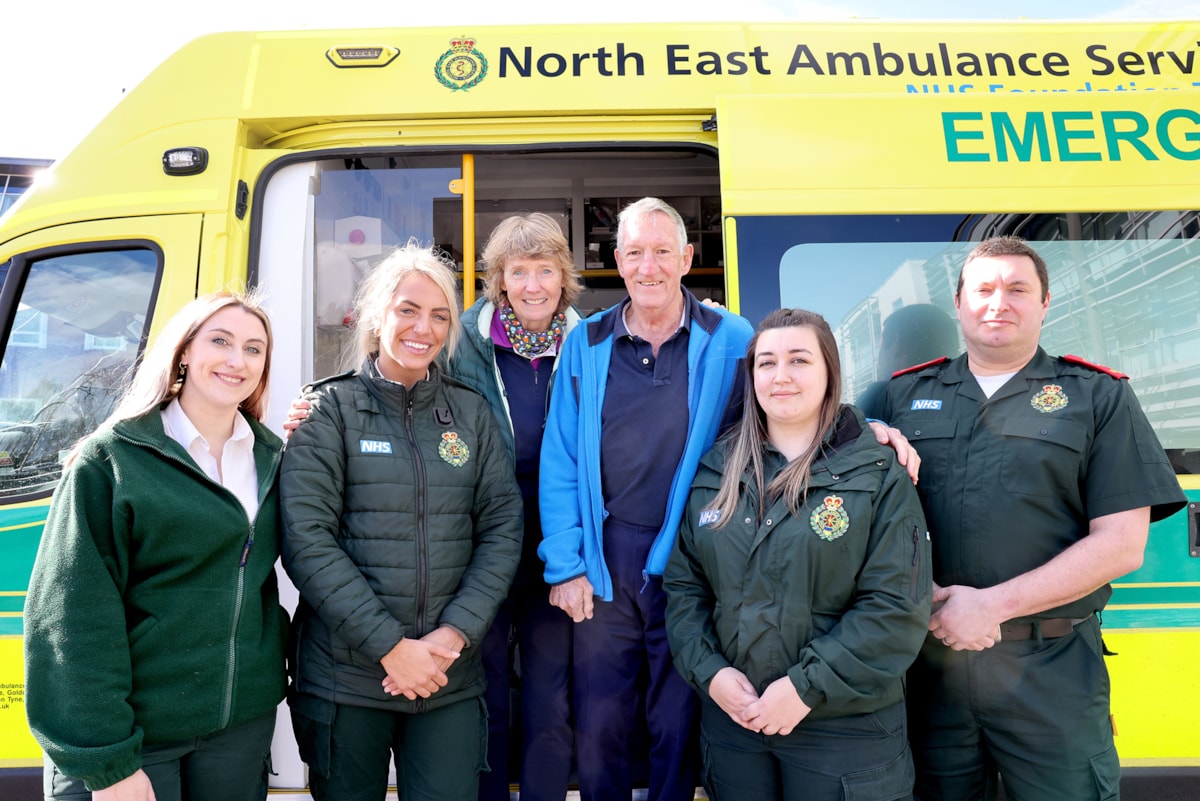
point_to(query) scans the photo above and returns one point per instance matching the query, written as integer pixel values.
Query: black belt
(1050, 628)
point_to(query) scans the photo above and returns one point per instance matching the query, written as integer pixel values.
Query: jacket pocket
(1046, 470)
(921, 579)
(933, 439)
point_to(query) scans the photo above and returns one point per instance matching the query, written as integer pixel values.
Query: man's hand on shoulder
(299, 410)
(906, 454)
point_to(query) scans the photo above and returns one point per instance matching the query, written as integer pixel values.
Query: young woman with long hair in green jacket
(154, 638)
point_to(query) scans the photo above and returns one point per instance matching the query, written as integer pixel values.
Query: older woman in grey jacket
(512, 337)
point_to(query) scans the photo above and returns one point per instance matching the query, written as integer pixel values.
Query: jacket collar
(958, 371)
(696, 313)
(393, 394)
(147, 431)
(848, 444)
(477, 323)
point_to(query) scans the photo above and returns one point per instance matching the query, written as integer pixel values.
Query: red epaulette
(917, 367)
(1099, 368)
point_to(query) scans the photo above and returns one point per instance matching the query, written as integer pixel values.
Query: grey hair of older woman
(529, 236)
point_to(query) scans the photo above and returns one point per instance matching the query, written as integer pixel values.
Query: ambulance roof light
(185, 160)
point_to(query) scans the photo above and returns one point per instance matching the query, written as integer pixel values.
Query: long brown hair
(745, 445)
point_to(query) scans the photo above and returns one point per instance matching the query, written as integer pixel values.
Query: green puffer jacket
(401, 514)
(141, 623)
(836, 598)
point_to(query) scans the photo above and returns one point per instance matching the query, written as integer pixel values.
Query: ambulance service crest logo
(830, 520)
(1050, 399)
(453, 450)
(462, 66)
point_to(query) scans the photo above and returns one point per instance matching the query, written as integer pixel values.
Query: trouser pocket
(890, 782)
(312, 723)
(58, 786)
(1106, 770)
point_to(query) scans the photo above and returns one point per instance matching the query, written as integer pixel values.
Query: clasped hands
(777, 711)
(963, 618)
(418, 667)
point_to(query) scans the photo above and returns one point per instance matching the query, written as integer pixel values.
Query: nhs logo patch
(374, 446)
(931, 405)
(709, 516)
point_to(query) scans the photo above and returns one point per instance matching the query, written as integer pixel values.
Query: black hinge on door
(1194, 529)
(243, 200)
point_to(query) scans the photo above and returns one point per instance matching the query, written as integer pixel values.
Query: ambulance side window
(75, 336)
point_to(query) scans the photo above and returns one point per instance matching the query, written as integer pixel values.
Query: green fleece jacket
(153, 612)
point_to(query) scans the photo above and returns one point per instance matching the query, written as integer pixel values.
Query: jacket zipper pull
(916, 565)
(246, 548)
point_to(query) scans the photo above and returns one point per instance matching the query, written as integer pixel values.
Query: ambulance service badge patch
(453, 450)
(1050, 399)
(462, 66)
(830, 520)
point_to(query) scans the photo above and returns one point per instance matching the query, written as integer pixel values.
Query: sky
(65, 64)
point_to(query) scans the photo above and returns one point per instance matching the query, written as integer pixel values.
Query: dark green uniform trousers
(229, 765)
(1035, 710)
(438, 754)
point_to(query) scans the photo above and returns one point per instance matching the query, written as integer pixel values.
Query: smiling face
(790, 378)
(225, 363)
(414, 329)
(651, 262)
(534, 288)
(1001, 306)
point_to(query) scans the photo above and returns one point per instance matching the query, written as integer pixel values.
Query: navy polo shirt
(644, 422)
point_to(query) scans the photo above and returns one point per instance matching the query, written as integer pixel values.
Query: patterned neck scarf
(528, 343)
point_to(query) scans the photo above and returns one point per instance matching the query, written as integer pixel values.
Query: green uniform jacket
(842, 615)
(1010, 482)
(142, 623)
(401, 514)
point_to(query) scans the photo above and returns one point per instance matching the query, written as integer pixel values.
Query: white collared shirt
(237, 471)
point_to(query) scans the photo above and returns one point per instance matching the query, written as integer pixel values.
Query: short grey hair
(643, 208)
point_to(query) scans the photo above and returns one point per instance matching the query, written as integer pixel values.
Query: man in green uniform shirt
(1039, 478)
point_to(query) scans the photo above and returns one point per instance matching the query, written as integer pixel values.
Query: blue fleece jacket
(572, 502)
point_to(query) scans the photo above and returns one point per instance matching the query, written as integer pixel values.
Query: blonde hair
(744, 446)
(529, 236)
(158, 378)
(377, 291)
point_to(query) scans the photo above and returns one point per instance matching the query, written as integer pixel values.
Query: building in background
(16, 176)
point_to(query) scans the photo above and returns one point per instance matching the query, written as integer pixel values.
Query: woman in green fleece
(154, 638)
